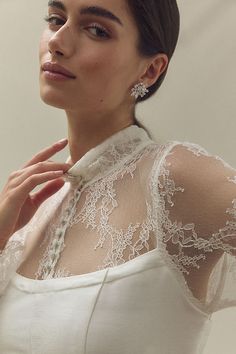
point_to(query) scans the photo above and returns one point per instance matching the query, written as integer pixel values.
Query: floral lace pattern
(120, 157)
(120, 239)
(200, 151)
(9, 258)
(129, 195)
(183, 247)
(103, 191)
(184, 235)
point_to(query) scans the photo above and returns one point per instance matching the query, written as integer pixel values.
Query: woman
(130, 247)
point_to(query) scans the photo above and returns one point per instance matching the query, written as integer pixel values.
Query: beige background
(196, 103)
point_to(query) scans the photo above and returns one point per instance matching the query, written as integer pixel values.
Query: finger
(37, 169)
(51, 188)
(21, 192)
(46, 153)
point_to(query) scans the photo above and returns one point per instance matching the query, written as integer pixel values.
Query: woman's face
(104, 59)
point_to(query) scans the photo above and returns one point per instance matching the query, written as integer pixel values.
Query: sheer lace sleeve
(14, 252)
(195, 203)
(10, 258)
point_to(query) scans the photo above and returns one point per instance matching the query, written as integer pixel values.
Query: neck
(86, 133)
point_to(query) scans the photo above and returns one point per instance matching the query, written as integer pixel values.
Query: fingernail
(58, 173)
(62, 141)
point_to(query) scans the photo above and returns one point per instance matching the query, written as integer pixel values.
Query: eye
(51, 19)
(100, 31)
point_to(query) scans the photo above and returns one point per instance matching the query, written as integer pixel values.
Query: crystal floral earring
(139, 90)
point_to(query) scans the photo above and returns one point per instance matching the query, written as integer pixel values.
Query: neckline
(142, 263)
(107, 155)
(138, 264)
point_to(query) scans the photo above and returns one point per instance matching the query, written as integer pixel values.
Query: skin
(97, 103)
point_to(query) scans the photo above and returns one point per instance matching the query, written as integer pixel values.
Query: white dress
(132, 256)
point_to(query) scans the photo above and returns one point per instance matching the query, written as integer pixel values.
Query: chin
(51, 98)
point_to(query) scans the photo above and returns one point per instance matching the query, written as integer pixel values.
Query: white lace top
(132, 255)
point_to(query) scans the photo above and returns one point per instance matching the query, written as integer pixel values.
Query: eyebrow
(88, 10)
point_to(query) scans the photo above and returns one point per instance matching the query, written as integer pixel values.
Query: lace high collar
(109, 154)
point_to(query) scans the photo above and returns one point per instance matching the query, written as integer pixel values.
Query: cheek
(94, 62)
(102, 65)
(106, 74)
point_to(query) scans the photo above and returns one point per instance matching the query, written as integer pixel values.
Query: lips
(55, 68)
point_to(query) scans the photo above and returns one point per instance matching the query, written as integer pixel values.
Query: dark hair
(158, 23)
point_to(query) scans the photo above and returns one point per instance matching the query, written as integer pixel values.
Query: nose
(61, 42)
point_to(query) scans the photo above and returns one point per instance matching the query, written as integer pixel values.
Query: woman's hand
(17, 205)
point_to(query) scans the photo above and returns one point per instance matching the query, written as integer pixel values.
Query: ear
(154, 69)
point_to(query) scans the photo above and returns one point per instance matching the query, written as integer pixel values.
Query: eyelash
(50, 19)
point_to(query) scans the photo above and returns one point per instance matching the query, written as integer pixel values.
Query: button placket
(57, 244)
